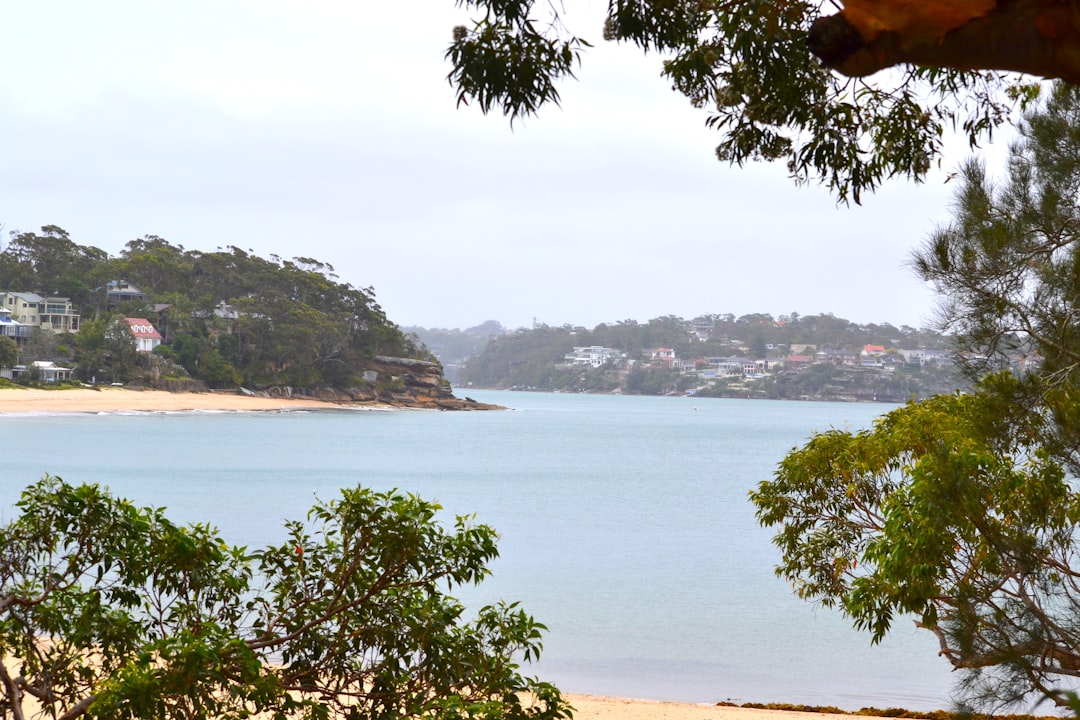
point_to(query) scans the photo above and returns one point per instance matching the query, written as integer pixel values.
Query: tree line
(227, 317)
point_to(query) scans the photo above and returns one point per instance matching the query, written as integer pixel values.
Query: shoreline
(597, 707)
(117, 399)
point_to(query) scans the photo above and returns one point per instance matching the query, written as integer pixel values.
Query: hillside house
(795, 362)
(593, 355)
(11, 328)
(121, 291)
(871, 355)
(662, 357)
(54, 314)
(146, 336)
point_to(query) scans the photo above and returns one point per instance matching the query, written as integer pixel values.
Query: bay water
(625, 525)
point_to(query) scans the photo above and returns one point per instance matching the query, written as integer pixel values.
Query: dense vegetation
(232, 318)
(536, 358)
(109, 610)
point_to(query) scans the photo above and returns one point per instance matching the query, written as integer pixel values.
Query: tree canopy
(782, 80)
(228, 317)
(109, 610)
(963, 510)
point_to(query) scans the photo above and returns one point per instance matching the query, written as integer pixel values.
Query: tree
(9, 352)
(945, 511)
(749, 64)
(1008, 263)
(109, 610)
(962, 510)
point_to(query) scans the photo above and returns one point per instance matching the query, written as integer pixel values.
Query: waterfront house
(43, 370)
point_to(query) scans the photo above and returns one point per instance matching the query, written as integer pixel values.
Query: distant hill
(757, 355)
(454, 347)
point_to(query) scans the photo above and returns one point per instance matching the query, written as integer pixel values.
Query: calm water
(625, 525)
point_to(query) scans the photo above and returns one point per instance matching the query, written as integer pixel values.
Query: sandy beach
(592, 707)
(117, 399)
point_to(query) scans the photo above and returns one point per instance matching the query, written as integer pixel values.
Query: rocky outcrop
(399, 382)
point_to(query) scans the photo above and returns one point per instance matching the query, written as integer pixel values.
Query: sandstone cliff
(400, 382)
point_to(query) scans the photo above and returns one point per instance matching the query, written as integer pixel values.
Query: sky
(327, 129)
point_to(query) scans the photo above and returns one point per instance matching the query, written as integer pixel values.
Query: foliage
(112, 611)
(1008, 264)
(52, 263)
(233, 318)
(105, 351)
(962, 510)
(9, 352)
(945, 510)
(748, 65)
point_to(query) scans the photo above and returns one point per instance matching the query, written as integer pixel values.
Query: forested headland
(227, 319)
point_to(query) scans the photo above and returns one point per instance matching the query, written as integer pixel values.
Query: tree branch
(1037, 37)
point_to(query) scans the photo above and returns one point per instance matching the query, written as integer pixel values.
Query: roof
(141, 328)
(27, 296)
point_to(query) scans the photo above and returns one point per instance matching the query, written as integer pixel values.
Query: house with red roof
(146, 336)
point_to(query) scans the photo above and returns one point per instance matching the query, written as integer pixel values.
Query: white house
(46, 371)
(146, 336)
(593, 355)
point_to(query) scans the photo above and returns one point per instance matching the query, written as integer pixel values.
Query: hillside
(223, 319)
(790, 357)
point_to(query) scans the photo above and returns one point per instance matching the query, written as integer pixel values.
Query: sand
(592, 707)
(118, 399)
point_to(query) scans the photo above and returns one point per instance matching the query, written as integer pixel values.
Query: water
(625, 525)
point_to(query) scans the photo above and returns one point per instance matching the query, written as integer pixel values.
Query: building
(146, 336)
(662, 357)
(45, 371)
(54, 314)
(12, 328)
(593, 355)
(871, 355)
(121, 291)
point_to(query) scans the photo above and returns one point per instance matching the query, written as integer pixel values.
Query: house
(871, 355)
(662, 357)
(54, 313)
(46, 371)
(121, 291)
(795, 362)
(593, 355)
(12, 328)
(146, 337)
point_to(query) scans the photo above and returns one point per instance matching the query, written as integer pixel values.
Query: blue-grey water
(625, 525)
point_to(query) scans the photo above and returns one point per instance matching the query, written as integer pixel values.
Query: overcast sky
(326, 129)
